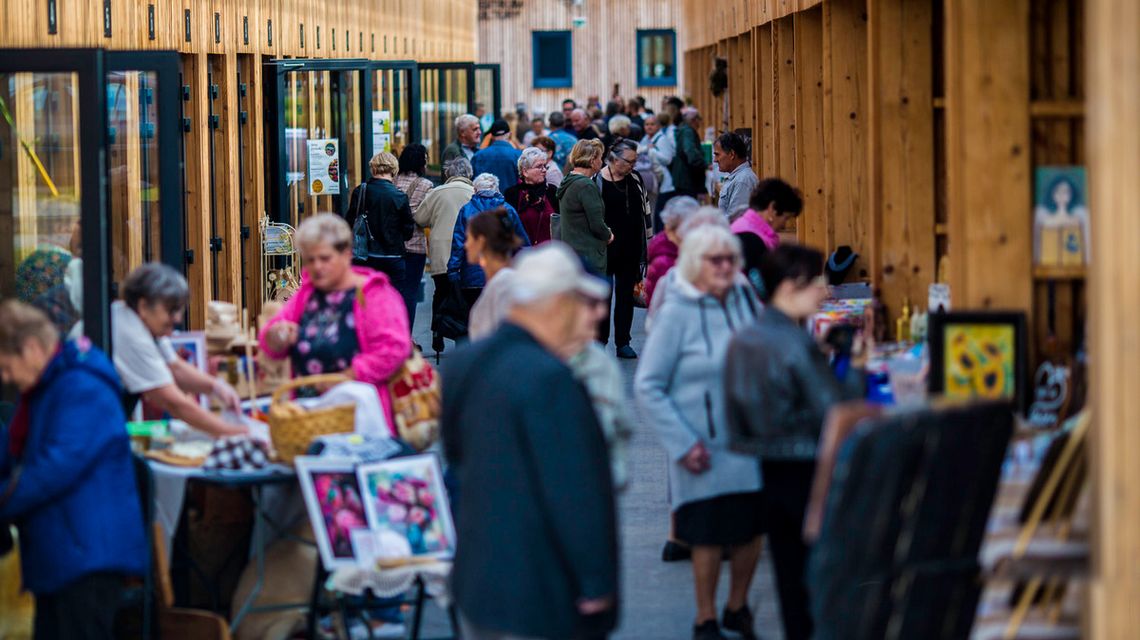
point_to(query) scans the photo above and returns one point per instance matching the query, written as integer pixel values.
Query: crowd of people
(540, 240)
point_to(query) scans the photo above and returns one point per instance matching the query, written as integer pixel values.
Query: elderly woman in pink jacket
(344, 319)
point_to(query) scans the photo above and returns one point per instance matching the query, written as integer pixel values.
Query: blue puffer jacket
(458, 269)
(72, 491)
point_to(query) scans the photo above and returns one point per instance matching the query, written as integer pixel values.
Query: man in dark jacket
(500, 158)
(536, 528)
(390, 221)
(688, 165)
(66, 478)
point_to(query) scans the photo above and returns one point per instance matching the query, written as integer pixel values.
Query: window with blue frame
(553, 62)
(656, 58)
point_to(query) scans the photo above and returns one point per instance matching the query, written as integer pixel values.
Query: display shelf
(1059, 273)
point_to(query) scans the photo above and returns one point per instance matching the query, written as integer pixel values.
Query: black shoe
(626, 352)
(740, 621)
(707, 631)
(437, 343)
(675, 552)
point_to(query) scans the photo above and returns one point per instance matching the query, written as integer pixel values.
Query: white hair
(464, 121)
(678, 210)
(701, 242)
(531, 157)
(325, 228)
(619, 123)
(458, 167)
(486, 182)
(704, 216)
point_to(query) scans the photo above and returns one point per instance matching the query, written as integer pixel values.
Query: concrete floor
(657, 597)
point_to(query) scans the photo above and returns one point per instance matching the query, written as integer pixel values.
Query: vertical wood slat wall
(912, 127)
(428, 30)
(604, 50)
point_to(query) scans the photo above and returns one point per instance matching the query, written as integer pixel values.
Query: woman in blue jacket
(66, 478)
(466, 276)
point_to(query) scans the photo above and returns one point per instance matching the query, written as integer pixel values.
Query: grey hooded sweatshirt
(680, 387)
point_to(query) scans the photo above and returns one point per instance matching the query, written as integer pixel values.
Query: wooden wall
(604, 50)
(224, 41)
(1114, 163)
(912, 128)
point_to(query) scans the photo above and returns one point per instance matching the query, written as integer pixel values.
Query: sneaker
(675, 552)
(740, 621)
(626, 352)
(707, 631)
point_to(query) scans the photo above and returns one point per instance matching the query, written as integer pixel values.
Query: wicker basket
(292, 434)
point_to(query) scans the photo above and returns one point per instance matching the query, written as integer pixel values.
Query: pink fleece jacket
(381, 330)
(662, 255)
(752, 222)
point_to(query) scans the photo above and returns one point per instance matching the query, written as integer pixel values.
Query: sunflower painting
(980, 361)
(978, 355)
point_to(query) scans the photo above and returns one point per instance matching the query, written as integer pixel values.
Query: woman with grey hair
(344, 319)
(466, 275)
(626, 210)
(438, 212)
(154, 301)
(663, 248)
(533, 198)
(714, 492)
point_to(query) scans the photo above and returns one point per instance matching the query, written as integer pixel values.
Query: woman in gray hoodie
(715, 492)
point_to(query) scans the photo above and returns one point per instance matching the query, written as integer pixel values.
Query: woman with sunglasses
(714, 492)
(779, 388)
(627, 208)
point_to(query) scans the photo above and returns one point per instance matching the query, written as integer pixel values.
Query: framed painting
(406, 497)
(191, 347)
(979, 355)
(335, 505)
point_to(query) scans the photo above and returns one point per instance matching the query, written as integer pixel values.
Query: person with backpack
(380, 217)
(688, 165)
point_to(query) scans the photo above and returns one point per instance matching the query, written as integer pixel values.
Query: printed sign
(381, 131)
(324, 167)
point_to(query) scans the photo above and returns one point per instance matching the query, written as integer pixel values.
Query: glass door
(317, 151)
(489, 88)
(54, 228)
(144, 161)
(395, 106)
(447, 93)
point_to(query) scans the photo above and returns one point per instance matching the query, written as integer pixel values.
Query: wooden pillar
(766, 103)
(197, 144)
(901, 150)
(1114, 158)
(814, 225)
(784, 83)
(845, 107)
(987, 154)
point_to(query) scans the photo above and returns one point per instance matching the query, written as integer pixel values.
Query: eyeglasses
(626, 160)
(721, 259)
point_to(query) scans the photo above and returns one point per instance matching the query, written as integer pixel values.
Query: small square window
(553, 64)
(657, 58)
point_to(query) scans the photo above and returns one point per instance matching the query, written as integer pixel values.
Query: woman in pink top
(344, 319)
(772, 205)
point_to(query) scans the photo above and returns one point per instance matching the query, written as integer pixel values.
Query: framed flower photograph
(406, 497)
(335, 503)
(979, 355)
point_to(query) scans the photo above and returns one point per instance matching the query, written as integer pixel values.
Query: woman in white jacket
(715, 493)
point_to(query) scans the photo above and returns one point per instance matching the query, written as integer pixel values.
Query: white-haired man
(467, 135)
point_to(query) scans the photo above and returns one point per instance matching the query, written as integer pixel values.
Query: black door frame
(415, 130)
(89, 68)
(497, 85)
(165, 65)
(273, 80)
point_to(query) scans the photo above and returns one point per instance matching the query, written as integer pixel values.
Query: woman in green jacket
(582, 220)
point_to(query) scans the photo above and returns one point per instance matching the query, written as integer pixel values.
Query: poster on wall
(381, 131)
(324, 167)
(1061, 217)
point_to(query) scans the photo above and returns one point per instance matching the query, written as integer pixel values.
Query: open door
(395, 110)
(447, 91)
(54, 227)
(309, 100)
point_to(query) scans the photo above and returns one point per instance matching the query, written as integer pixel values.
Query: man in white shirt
(661, 145)
(154, 299)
